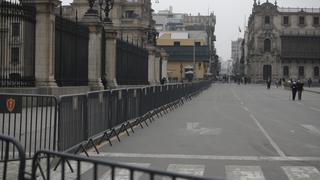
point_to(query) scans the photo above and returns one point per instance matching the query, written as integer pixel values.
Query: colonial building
(186, 51)
(167, 21)
(283, 43)
(132, 19)
(236, 54)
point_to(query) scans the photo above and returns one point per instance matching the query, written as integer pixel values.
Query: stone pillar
(151, 63)
(44, 42)
(157, 67)
(164, 56)
(111, 59)
(93, 22)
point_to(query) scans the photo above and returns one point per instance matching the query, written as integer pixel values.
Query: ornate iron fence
(17, 44)
(132, 64)
(71, 53)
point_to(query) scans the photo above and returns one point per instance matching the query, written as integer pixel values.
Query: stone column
(44, 42)
(157, 67)
(164, 56)
(151, 63)
(93, 22)
(111, 59)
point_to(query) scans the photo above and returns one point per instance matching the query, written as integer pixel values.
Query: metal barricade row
(31, 119)
(9, 169)
(42, 169)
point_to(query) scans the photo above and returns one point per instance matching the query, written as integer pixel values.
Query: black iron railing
(132, 64)
(71, 53)
(17, 44)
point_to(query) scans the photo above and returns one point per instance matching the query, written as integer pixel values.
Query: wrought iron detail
(108, 5)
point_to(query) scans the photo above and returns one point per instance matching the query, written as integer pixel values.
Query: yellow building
(185, 52)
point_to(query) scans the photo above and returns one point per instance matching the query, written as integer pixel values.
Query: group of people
(296, 87)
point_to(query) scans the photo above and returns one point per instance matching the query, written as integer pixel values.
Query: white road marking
(245, 108)
(203, 157)
(244, 173)
(124, 174)
(194, 128)
(311, 129)
(84, 167)
(187, 169)
(272, 142)
(315, 109)
(301, 173)
(300, 103)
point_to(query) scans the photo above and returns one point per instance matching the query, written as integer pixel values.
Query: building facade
(282, 43)
(197, 26)
(132, 19)
(236, 54)
(185, 53)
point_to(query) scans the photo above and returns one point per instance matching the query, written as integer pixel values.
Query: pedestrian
(293, 89)
(268, 83)
(163, 80)
(309, 82)
(299, 89)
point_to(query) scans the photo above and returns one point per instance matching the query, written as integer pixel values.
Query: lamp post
(108, 5)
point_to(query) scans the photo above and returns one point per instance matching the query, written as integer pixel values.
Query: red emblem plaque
(11, 103)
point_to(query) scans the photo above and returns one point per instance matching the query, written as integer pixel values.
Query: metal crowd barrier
(93, 169)
(74, 122)
(7, 170)
(31, 119)
(84, 118)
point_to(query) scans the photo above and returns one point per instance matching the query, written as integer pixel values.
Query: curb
(317, 92)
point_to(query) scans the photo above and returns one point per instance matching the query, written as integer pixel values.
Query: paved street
(231, 132)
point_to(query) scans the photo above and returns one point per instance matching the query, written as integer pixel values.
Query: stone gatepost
(164, 56)
(151, 64)
(111, 58)
(157, 66)
(44, 42)
(92, 21)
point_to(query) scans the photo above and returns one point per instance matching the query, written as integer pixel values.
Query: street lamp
(107, 8)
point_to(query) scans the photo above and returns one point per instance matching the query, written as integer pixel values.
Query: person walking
(309, 82)
(268, 84)
(299, 89)
(294, 89)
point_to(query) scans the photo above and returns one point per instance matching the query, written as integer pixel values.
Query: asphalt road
(232, 132)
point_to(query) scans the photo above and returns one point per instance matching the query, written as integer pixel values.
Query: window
(301, 71)
(267, 45)
(301, 20)
(267, 20)
(176, 43)
(286, 71)
(316, 21)
(286, 20)
(197, 43)
(15, 29)
(316, 71)
(15, 53)
(129, 14)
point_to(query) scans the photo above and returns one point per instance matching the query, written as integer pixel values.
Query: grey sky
(230, 14)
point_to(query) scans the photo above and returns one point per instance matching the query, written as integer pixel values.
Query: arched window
(267, 20)
(316, 71)
(267, 45)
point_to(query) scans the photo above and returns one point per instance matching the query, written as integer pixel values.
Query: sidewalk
(312, 89)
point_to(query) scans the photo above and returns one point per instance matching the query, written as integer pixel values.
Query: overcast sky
(231, 15)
